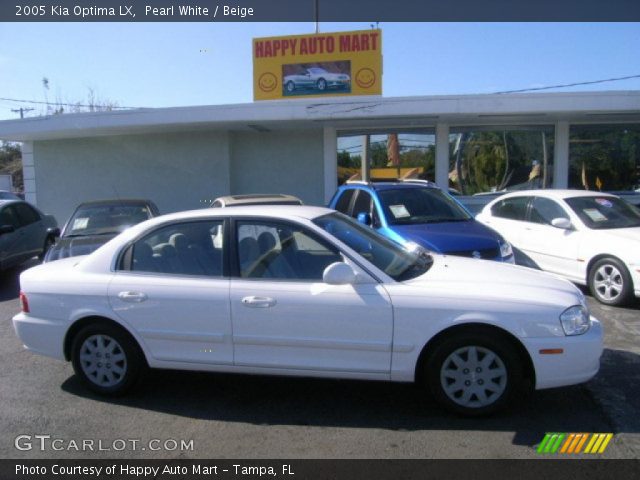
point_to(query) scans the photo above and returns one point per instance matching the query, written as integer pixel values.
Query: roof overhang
(344, 113)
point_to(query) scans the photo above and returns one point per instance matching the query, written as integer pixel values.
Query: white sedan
(305, 291)
(590, 238)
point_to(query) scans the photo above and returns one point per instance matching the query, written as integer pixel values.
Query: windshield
(410, 206)
(601, 213)
(105, 219)
(388, 256)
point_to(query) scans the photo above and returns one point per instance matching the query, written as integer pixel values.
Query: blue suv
(419, 212)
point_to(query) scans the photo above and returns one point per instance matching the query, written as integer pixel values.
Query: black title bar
(320, 10)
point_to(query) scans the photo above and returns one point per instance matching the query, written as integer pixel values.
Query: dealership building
(183, 157)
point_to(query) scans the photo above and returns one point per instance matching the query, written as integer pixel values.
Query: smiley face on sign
(365, 78)
(267, 82)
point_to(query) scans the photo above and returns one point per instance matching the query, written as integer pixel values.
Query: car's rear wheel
(322, 84)
(290, 86)
(473, 373)
(610, 282)
(106, 359)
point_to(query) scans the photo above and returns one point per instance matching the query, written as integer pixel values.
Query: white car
(590, 238)
(316, 78)
(305, 291)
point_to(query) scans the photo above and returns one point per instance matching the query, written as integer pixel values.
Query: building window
(604, 157)
(394, 154)
(491, 159)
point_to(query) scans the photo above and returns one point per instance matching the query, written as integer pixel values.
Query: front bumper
(635, 278)
(38, 335)
(579, 362)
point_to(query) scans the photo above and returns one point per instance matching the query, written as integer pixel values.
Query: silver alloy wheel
(473, 376)
(608, 282)
(103, 360)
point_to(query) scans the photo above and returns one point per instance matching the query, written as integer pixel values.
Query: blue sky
(176, 64)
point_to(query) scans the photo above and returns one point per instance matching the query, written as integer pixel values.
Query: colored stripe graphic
(573, 443)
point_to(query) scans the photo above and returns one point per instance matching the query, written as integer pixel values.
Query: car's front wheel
(473, 373)
(610, 282)
(321, 84)
(106, 359)
(290, 86)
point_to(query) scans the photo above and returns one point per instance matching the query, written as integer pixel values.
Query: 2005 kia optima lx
(294, 290)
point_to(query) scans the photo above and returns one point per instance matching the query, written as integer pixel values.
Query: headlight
(505, 249)
(575, 320)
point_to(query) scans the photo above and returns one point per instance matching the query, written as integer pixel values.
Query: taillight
(24, 302)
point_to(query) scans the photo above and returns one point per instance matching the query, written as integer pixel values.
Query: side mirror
(55, 232)
(339, 273)
(364, 218)
(7, 229)
(563, 223)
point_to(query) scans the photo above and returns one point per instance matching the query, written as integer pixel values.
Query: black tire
(610, 282)
(290, 86)
(498, 391)
(128, 360)
(321, 84)
(48, 243)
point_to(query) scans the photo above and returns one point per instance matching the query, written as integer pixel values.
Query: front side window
(514, 208)
(410, 206)
(191, 248)
(604, 212)
(342, 205)
(282, 251)
(544, 210)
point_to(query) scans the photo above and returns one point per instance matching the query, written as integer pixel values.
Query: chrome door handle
(258, 302)
(135, 297)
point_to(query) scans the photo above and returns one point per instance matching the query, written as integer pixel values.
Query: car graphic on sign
(316, 78)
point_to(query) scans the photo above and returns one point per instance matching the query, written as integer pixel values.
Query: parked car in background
(306, 291)
(95, 223)
(6, 195)
(317, 78)
(25, 232)
(590, 238)
(255, 199)
(418, 212)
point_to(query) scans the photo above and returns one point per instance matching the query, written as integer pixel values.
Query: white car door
(553, 249)
(285, 317)
(172, 291)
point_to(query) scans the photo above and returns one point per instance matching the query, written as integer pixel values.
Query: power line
(57, 104)
(569, 84)
(21, 111)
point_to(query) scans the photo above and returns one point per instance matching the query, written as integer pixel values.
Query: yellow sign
(344, 63)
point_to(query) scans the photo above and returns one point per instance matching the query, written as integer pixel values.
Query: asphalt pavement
(199, 415)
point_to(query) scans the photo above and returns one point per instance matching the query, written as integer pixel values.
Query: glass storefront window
(604, 157)
(392, 155)
(493, 159)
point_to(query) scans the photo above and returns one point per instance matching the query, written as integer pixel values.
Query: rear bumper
(38, 335)
(579, 362)
(635, 278)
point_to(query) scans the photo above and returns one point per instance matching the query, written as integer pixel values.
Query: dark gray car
(25, 232)
(95, 223)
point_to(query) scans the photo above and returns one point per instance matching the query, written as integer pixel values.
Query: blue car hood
(449, 236)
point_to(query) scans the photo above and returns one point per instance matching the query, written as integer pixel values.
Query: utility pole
(21, 111)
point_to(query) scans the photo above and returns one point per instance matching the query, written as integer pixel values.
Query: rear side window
(26, 214)
(343, 202)
(514, 208)
(190, 248)
(8, 217)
